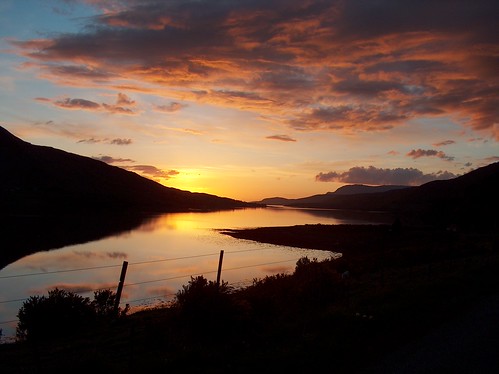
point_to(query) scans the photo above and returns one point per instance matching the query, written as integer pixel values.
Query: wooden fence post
(219, 272)
(120, 287)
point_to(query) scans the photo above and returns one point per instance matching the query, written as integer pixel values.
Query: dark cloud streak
(445, 142)
(77, 104)
(120, 141)
(417, 153)
(283, 138)
(111, 160)
(122, 106)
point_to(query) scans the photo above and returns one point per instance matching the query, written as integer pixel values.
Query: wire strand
(171, 259)
(165, 279)
(206, 272)
(58, 271)
(12, 301)
(5, 322)
(118, 265)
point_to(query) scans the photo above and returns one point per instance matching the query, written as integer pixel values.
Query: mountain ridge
(469, 200)
(41, 179)
(350, 189)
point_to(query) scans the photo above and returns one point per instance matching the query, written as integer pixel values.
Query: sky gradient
(254, 99)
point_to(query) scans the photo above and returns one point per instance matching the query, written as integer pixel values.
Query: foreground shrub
(62, 313)
(317, 283)
(202, 302)
(103, 305)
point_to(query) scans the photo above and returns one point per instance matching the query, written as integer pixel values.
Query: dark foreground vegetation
(392, 285)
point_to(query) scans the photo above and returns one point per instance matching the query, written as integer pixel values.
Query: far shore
(378, 245)
(348, 239)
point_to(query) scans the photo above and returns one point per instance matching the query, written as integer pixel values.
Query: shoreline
(348, 239)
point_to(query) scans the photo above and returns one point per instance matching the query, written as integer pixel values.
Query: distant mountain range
(38, 179)
(352, 189)
(470, 200)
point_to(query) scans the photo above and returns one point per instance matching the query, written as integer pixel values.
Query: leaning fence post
(120, 287)
(219, 272)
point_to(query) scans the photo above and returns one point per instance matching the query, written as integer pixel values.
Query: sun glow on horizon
(250, 100)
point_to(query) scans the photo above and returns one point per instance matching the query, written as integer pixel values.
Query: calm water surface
(162, 254)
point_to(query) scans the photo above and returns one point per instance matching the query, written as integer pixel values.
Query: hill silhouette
(50, 199)
(352, 189)
(469, 200)
(39, 179)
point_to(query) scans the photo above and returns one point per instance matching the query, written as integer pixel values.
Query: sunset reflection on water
(163, 254)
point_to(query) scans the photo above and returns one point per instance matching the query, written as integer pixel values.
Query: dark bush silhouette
(60, 313)
(63, 313)
(103, 305)
(268, 297)
(202, 303)
(316, 283)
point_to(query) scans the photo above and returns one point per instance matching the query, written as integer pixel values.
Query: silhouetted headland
(38, 179)
(50, 198)
(27, 234)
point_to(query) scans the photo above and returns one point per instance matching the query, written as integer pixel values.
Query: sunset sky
(251, 99)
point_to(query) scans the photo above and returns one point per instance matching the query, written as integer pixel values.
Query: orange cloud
(152, 171)
(124, 100)
(314, 65)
